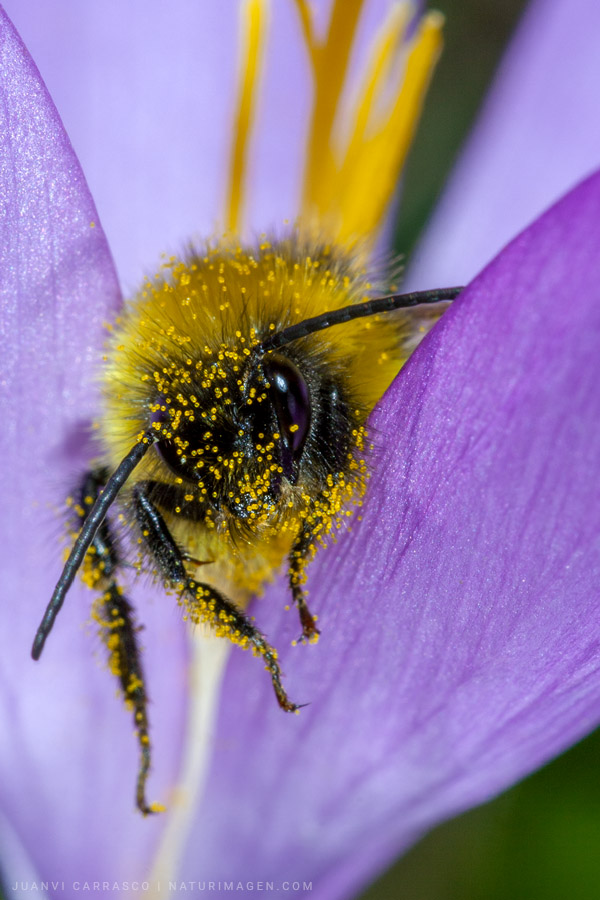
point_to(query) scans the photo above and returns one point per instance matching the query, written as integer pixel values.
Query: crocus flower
(460, 645)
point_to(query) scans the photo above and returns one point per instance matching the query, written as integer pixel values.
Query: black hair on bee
(235, 437)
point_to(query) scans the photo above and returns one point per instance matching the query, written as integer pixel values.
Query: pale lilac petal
(145, 90)
(461, 636)
(538, 135)
(67, 753)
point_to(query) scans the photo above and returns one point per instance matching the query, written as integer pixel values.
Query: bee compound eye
(181, 464)
(290, 397)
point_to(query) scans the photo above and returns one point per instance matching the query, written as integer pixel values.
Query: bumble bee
(233, 432)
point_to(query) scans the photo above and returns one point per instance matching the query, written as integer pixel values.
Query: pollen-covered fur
(182, 357)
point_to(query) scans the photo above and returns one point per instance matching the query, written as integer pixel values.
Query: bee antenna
(87, 535)
(355, 311)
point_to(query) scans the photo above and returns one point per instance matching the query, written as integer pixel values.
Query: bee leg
(299, 556)
(206, 604)
(157, 539)
(114, 615)
(203, 602)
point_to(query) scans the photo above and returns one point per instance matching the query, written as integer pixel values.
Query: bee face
(252, 434)
(243, 437)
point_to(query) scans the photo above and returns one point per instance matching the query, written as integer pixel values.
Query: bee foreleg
(157, 539)
(203, 602)
(299, 556)
(114, 615)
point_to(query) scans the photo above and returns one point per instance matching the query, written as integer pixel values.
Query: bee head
(248, 418)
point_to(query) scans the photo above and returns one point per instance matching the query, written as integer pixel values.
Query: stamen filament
(348, 185)
(306, 20)
(330, 70)
(386, 43)
(254, 15)
(381, 157)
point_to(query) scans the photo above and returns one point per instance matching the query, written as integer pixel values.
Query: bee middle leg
(298, 558)
(203, 602)
(115, 616)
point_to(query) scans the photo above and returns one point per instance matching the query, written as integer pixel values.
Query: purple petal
(461, 637)
(67, 754)
(539, 134)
